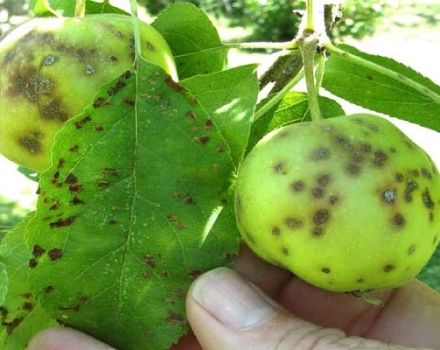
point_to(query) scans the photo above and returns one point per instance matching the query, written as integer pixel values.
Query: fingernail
(233, 301)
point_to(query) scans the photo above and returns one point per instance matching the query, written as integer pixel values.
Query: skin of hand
(263, 307)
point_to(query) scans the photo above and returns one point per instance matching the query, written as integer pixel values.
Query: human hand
(230, 311)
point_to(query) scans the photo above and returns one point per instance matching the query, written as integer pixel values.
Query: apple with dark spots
(51, 69)
(348, 204)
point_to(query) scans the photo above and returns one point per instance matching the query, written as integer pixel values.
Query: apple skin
(51, 69)
(348, 204)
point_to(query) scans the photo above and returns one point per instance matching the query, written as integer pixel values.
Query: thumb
(227, 312)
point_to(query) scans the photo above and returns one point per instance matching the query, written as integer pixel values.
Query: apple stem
(383, 70)
(80, 8)
(136, 29)
(279, 96)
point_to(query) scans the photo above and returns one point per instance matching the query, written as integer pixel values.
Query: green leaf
(21, 315)
(408, 95)
(127, 214)
(67, 8)
(3, 283)
(193, 39)
(230, 97)
(294, 108)
(431, 272)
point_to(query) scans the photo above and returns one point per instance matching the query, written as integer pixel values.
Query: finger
(65, 339)
(409, 315)
(227, 312)
(269, 278)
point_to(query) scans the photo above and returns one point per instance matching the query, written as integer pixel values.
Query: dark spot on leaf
(369, 77)
(189, 200)
(101, 101)
(71, 179)
(118, 86)
(75, 188)
(129, 102)
(109, 172)
(98, 128)
(76, 201)
(298, 186)
(74, 308)
(149, 260)
(203, 139)
(33, 263)
(175, 318)
(27, 306)
(74, 149)
(61, 163)
(48, 289)
(10, 326)
(113, 59)
(62, 222)
(103, 184)
(173, 85)
(191, 115)
(38, 251)
(55, 254)
(321, 216)
(79, 124)
(193, 274)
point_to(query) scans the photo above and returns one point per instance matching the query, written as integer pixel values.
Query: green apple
(51, 69)
(348, 204)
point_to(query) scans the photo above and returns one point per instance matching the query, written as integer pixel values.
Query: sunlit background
(406, 30)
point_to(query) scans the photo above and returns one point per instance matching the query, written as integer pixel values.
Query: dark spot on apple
(276, 231)
(360, 280)
(411, 250)
(399, 177)
(285, 251)
(318, 192)
(293, 223)
(279, 168)
(32, 142)
(365, 148)
(325, 270)
(399, 221)
(389, 268)
(353, 169)
(333, 199)
(426, 173)
(321, 216)
(380, 158)
(318, 231)
(415, 172)
(150, 46)
(427, 201)
(54, 111)
(389, 196)
(324, 180)
(321, 153)
(298, 186)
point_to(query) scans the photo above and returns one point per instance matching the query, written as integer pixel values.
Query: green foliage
(394, 89)
(67, 8)
(275, 19)
(202, 56)
(133, 227)
(430, 274)
(10, 215)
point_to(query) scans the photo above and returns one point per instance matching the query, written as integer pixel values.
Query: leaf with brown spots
(153, 191)
(21, 315)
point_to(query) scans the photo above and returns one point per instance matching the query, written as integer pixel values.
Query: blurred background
(406, 30)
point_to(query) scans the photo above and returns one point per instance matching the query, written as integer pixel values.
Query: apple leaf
(3, 283)
(293, 108)
(193, 39)
(407, 94)
(134, 207)
(230, 97)
(21, 315)
(67, 8)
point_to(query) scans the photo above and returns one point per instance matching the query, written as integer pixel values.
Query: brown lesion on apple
(32, 142)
